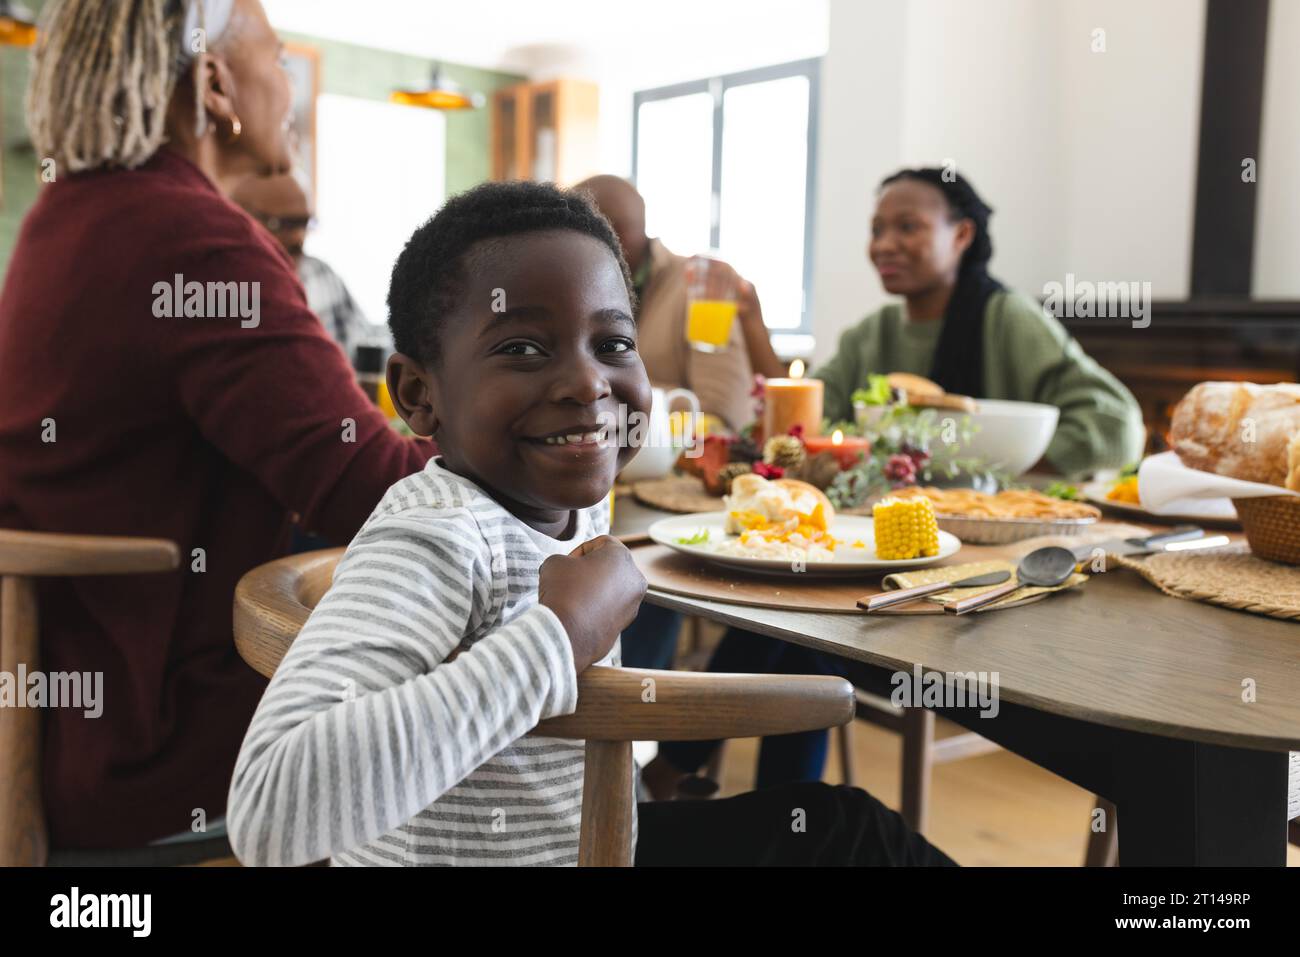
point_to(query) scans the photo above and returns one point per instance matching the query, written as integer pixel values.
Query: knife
(900, 595)
(1191, 535)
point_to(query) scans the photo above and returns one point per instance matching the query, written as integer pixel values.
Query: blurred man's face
(290, 230)
(623, 206)
(279, 204)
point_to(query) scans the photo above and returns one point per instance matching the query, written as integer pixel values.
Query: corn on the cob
(905, 528)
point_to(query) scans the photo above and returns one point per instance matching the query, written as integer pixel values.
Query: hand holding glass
(710, 303)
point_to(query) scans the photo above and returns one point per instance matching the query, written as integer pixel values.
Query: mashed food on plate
(782, 520)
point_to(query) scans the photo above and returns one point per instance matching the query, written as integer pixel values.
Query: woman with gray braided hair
(161, 375)
(114, 80)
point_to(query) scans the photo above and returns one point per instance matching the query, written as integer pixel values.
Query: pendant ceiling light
(442, 93)
(17, 25)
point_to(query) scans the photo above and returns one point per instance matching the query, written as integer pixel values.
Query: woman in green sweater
(960, 327)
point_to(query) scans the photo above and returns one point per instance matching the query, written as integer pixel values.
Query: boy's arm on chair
(365, 722)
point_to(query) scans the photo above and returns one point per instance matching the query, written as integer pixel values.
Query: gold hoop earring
(235, 128)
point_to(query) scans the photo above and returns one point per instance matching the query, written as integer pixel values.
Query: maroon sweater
(191, 429)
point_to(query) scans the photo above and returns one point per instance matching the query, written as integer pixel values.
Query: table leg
(918, 767)
(1202, 804)
(1181, 802)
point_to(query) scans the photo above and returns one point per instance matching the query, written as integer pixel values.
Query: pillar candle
(790, 402)
(847, 449)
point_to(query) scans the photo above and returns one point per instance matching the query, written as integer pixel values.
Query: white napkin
(1168, 487)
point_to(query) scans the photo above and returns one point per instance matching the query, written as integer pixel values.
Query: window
(728, 163)
(380, 175)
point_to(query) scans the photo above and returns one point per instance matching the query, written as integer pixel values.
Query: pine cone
(729, 472)
(821, 469)
(785, 451)
(745, 449)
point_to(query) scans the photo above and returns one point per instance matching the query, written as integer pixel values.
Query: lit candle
(793, 401)
(846, 449)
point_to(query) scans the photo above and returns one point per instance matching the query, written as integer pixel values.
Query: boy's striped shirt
(370, 748)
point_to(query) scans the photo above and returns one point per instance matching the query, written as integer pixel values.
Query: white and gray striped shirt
(370, 748)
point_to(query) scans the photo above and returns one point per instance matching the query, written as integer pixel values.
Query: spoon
(900, 595)
(1045, 567)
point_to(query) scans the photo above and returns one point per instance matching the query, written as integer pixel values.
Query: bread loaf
(920, 393)
(914, 385)
(1241, 430)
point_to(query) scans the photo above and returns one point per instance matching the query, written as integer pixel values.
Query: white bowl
(1009, 435)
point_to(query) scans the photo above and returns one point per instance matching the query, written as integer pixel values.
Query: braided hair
(958, 363)
(103, 73)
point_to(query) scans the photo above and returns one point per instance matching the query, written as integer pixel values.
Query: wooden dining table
(1180, 713)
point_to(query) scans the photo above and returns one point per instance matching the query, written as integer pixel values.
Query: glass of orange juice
(710, 303)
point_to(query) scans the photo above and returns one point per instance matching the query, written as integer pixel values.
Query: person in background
(130, 407)
(279, 203)
(962, 328)
(722, 380)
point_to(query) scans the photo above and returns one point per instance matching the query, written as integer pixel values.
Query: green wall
(364, 72)
(20, 182)
(346, 69)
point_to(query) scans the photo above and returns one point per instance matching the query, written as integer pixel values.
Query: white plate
(846, 528)
(1217, 511)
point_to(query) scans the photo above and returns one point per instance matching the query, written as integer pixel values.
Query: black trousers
(803, 824)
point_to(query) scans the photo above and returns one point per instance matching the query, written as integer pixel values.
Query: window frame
(716, 87)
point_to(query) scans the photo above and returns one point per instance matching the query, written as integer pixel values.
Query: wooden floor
(993, 810)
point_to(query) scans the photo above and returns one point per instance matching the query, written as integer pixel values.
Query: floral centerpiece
(905, 440)
(891, 444)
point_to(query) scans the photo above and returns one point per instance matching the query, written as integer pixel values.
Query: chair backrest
(24, 557)
(273, 602)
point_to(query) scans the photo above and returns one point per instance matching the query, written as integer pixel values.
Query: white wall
(1129, 140)
(1277, 207)
(1088, 159)
(382, 171)
(860, 133)
(982, 89)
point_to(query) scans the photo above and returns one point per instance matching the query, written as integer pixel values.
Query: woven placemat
(677, 493)
(1230, 576)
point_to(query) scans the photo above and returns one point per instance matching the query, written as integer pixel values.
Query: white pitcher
(658, 453)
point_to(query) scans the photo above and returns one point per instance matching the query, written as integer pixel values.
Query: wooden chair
(25, 557)
(921, 751)
(272, 603)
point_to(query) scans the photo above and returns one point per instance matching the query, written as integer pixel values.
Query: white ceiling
(647, 42)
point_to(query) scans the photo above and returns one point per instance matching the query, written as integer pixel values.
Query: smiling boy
(394, 731)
